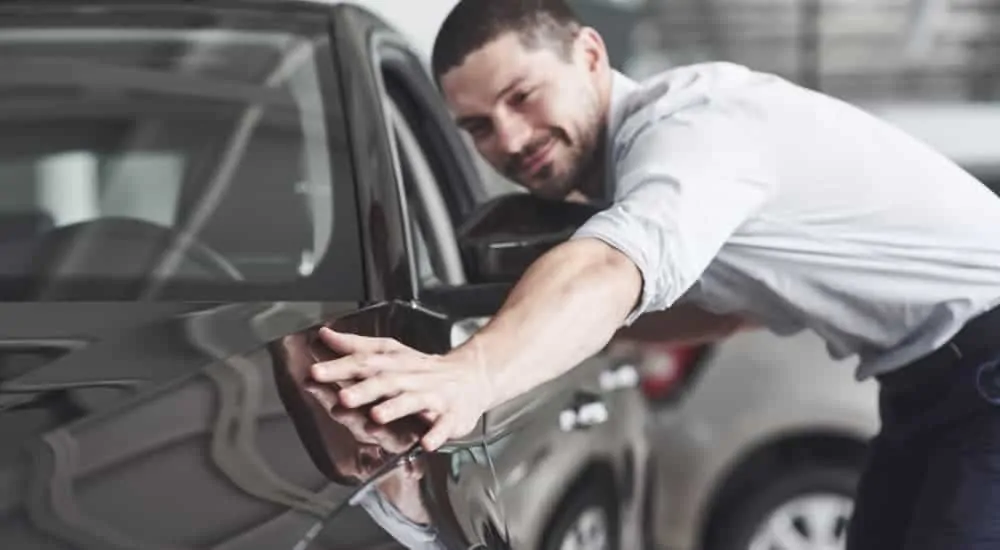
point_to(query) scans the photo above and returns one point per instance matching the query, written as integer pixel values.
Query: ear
(590, 45)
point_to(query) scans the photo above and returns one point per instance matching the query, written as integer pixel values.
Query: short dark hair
(472, 24)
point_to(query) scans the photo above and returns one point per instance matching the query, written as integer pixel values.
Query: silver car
(758, 442)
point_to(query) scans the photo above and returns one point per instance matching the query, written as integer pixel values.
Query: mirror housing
(505, 235)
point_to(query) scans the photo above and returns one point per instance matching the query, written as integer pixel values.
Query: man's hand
(565, 308)
(450, 392)
(392, 439)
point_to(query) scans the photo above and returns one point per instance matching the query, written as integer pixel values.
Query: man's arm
(565, 308)
(568, 306)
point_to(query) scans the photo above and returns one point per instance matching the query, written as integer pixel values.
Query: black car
(188, 191)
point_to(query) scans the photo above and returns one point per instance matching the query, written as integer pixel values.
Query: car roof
(417, 21)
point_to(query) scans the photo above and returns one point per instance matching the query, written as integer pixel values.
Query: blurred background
(930, 66)
(869, 51)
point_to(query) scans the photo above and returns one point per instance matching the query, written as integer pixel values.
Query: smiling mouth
(532, 164)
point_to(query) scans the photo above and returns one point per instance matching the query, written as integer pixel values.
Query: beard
(546, 181)
(568, 171)
(565, 172)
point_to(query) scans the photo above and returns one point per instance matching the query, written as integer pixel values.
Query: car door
(151, 389)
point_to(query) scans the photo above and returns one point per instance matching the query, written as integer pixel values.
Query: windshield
(164, 149)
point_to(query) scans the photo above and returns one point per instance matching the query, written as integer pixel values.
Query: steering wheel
(123, 247)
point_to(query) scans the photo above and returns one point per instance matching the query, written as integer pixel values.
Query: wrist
(487, 382)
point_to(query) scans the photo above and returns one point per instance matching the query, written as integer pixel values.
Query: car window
(185, 153)
(435, 245)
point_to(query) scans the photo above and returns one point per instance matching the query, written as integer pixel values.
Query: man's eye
(520, 97)
(479, 131)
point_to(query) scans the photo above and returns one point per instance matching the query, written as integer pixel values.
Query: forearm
(566, 308)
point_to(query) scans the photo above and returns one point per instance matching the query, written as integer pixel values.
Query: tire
(587, 516)
(812, 503)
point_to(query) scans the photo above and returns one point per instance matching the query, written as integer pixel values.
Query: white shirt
(405, 531)
(744, 193)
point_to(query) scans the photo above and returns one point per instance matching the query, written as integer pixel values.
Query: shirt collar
(621, 88)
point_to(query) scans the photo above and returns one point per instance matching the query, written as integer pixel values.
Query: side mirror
(504, 236)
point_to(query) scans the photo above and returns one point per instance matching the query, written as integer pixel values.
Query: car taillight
(664, 369)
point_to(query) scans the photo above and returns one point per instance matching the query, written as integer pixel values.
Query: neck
(592, 184)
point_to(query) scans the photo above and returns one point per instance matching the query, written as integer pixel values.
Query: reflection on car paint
(384, 464)
(106, 479)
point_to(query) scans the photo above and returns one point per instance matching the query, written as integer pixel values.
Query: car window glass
(429, 266)
(150, 146)
(435, 244)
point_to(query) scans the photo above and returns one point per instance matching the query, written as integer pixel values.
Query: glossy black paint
(384, 233)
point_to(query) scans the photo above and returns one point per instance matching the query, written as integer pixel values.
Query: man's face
(533, 114)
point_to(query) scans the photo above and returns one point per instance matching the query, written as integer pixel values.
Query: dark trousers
(933, 475)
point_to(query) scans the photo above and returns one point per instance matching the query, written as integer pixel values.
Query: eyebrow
(511, 86)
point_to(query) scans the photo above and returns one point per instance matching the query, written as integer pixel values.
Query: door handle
(587, 411)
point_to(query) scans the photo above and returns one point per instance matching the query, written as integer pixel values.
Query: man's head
(530, 84)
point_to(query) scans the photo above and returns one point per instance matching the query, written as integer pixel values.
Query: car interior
(114, 156)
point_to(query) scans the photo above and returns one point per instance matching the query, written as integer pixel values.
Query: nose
(513, 132)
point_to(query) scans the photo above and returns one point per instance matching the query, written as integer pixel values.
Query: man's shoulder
(698, 79)
(657, 101)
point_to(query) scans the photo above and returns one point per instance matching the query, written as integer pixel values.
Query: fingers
(403, 405)
(375, 388)
(351, 367)
(349, 344)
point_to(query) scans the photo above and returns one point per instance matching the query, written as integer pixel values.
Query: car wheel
(806, 509)
(586, 520)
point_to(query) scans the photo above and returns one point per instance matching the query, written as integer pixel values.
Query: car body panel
(198, 450)
(540, 467)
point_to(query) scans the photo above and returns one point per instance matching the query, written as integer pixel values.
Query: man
(736, 195)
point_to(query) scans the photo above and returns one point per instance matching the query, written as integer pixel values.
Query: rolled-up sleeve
(685, 183)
